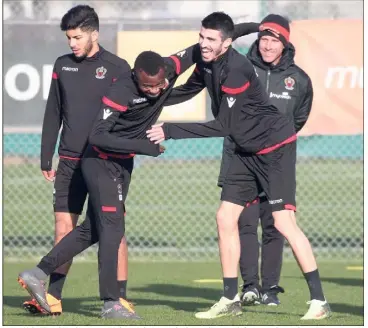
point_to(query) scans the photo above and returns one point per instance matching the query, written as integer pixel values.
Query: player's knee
(225, 221)
(247, 229)
(285, 222)
(64, 223)
(113, 231)
(123, 244)
(123, 241)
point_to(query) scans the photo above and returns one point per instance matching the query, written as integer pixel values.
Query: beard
(215, 53)
(87, 49)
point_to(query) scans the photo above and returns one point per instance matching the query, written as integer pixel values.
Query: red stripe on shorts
(108, 209)
(290, 207)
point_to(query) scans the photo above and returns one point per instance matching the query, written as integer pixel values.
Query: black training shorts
(273, 172)
(70, 190)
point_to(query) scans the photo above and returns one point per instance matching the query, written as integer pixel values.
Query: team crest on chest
(289, 83)
(101, 72)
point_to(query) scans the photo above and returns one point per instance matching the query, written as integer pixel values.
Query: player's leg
(249, 254)
(68, 200)
(123, 250)
(107, 182)
(71, 245)
(272, 249)
(123, 268)
(238, 189)
(64, 223)
(69, 197)
(280, 191)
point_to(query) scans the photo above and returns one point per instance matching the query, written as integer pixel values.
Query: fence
(173, 199)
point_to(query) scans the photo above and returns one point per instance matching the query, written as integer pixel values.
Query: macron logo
(181, 53)
(139, 100)
(107, 112)
(230, 101)
(71, 69)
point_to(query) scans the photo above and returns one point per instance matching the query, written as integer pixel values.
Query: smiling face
(151, 86)
(212, 44)
(270, 49)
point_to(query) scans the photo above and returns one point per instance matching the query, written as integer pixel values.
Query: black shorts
(273, 172)
(107, 181)
(70, 190)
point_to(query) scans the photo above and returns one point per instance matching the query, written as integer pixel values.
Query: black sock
(230, 287)
(314, 284)
(56, 284)
(122, 288)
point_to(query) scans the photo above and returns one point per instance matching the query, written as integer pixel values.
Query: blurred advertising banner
(331, 53)
(166, 43)
(29, 53)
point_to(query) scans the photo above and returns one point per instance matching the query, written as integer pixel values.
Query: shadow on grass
(77, 306)
(347, 309)
(180, 291)
(173, 290)
(73, 305)
(351, 282)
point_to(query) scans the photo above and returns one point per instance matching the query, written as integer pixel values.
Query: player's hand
(49, 175)
(156, 133)
(162, 149)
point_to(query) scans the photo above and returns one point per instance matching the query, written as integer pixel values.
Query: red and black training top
(74, 101)
(240, 106)
(126, 113)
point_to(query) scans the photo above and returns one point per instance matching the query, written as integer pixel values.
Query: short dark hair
(150, 62)
(221, 22)
(82, 16)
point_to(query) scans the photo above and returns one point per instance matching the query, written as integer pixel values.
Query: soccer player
(79, 80)
(132, 104)
(265, 156)
(289, 89)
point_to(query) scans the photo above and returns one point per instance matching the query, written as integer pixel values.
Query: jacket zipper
(268, 80)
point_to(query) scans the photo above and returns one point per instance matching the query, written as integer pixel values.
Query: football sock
(314, 285)
(230, 287)
(122, 288)
(56, 284)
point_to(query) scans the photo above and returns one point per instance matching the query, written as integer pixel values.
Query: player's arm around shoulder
(184, 59)
(194, 85)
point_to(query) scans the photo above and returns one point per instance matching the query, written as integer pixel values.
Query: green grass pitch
(175, 198)
(166, 294)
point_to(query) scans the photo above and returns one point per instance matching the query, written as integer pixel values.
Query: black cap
(276, 26)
